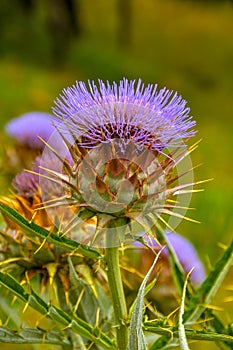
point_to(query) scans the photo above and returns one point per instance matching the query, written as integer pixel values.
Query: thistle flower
(125, 142)
(148, 117)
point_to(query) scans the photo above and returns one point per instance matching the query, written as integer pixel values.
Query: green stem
(117, 294)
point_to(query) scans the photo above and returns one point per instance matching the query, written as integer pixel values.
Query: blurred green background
(184, 45)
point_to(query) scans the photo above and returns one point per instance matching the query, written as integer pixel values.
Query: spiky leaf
(32, 228)
(32, 336)
(168, 333)
(209, 287)
(182, 335)
(76, 324)
(136, 337)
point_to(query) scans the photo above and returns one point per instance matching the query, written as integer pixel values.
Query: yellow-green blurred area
(186, 46)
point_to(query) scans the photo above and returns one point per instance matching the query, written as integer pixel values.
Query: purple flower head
(27, 128)
(28, 183)
(185, 253)
(130, 111)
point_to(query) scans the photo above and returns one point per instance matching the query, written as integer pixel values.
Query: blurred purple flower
(27, 128)
(185, 253)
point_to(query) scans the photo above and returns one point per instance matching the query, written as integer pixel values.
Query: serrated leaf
(78, 325)
(136, 338)
(169, 333)
(37, 303)
(32, 228)
(32, 336)
(10, 283)
(88, 305)
(59, 316)
(203, 296)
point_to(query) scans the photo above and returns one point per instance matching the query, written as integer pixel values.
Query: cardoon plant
(116, 165)
(125, 142)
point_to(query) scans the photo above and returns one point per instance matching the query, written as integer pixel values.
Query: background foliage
(184, 45)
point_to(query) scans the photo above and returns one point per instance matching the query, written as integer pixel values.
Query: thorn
(25, 307)
(43, 243)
